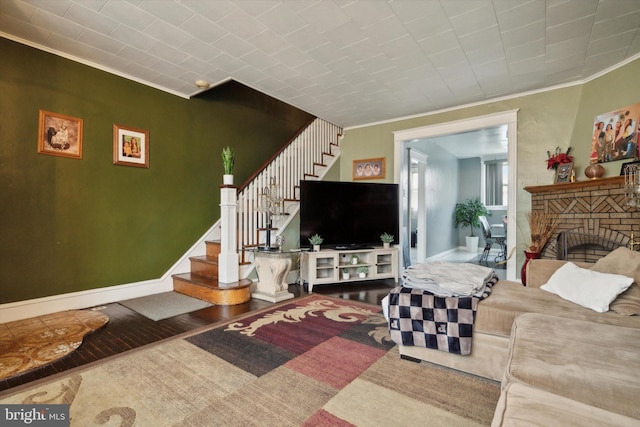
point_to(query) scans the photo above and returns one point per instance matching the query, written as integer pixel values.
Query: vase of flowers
(541, 226)
(528, 256)
(558, 158)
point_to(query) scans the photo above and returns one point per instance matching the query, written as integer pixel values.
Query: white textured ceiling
(349, 62)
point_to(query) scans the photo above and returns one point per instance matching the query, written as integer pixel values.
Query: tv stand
(328, 265)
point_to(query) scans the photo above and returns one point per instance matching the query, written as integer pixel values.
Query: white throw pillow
(585, 287)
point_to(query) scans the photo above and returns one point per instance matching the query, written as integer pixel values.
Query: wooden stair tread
(205, 259)
(197, 279)
(211, 290)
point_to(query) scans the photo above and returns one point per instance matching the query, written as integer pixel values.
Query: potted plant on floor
(467, 214)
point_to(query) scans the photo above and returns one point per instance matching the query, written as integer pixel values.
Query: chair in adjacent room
(490, 238)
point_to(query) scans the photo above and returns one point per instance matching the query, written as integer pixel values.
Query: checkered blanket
(419, 318)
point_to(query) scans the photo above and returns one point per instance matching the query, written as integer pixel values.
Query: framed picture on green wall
(59, 135)
(130, 146)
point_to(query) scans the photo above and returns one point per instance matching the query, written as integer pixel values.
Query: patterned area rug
(31, 343)
(312, 361)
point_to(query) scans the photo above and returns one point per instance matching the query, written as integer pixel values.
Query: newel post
(228, 264)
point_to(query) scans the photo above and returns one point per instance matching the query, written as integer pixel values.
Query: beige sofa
(508, 300)
(559, 362)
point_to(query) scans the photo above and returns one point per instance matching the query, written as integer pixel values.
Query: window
(496, 182)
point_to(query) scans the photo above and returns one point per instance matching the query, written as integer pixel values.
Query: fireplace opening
(576, 245)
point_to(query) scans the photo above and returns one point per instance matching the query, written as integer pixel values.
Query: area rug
(31, 343)
(164, 305)
(311, 361)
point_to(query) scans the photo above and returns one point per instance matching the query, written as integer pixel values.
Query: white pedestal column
(272, 269)
(228, 263)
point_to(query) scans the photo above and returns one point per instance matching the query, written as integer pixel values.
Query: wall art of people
(615, 135)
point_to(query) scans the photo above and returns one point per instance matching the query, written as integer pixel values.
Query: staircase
(306, 157)
(202, 281)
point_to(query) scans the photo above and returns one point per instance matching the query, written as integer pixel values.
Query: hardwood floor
(128, 330)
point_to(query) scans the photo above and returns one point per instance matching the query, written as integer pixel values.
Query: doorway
(404, 153)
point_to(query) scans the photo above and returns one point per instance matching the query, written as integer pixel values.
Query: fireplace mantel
(571, 186)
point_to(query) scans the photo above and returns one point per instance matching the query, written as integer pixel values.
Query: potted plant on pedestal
(386, 239)
(467, 215)
(316, 240)
(228, 157)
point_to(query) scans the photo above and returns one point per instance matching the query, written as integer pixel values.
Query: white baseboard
(13, 311)
(19, 310)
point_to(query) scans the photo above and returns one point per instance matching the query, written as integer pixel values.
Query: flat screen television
(348, 214)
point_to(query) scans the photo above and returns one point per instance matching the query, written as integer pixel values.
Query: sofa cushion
(522, 405)
(628, 302)
(539, 270)
(508, 300)
(626, 262)
(586, 287)
(594, 364)
(620, 261)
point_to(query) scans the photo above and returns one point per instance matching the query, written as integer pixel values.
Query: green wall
(561, 117)
(76, 224)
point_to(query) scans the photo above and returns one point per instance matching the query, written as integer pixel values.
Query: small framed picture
(59, 135)
(369, 168)
(624, 167)
(563, 173)
(130, 146)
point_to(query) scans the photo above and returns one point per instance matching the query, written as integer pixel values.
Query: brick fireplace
(593, 209)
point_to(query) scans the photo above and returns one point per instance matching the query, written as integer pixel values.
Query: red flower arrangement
(558, 158)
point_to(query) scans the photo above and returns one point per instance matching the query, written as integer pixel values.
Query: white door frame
(421, 245)
(510, 118)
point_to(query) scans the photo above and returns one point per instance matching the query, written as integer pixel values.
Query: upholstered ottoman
(523, 405)
(557, 368)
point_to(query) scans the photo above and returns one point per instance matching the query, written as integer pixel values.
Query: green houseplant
(362, 271)
(228, 159)
(386, 239)
(316, 240)
(467, 214)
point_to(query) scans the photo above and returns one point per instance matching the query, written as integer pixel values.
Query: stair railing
(297, 160)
